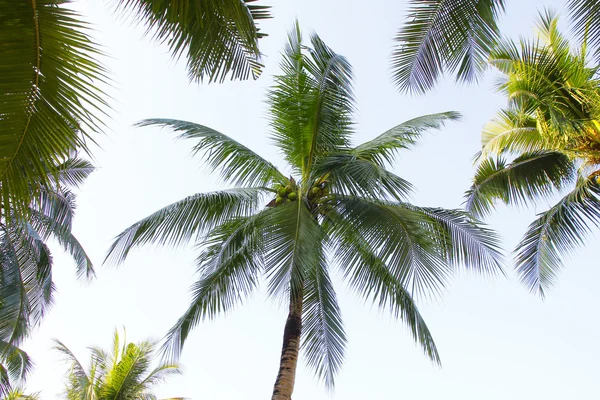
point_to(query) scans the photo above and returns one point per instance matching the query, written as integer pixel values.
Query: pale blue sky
(496, 341)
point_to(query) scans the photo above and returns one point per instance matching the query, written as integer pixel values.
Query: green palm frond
(311, 102)
(528, 177)
(228, 268)
(324, 337)
(219, 38)
(348, 173)
(440, 36)
(73, 172)
(555, 233)
(585, 15)
(236, 162)
(15, 366)
(383, 149)
(371, 278)
(179, 222)
(513, 132)
(18, 393)
(50, 102)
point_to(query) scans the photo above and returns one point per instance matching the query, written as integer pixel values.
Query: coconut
(315, 190)
(281, 192)
(293, 196)
(289, 189)
(278, 200)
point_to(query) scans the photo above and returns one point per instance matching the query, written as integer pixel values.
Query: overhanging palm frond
(528, 177)
(383, 149)
(444, 35)
(50, 103)
(236, 162)
(73, 172)
(586, 22)
(555, 233)
(218, 37)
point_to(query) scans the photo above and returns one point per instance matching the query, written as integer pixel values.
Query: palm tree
(457, 36)
(123, 373)
(547, 140)
(19, 394)
(51, 100)
(340, 207)
(26, 287)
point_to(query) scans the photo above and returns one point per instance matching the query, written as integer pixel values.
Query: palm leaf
(219, 38)
(323, 335)
(177, 223)
(444, 35)
(555, 233)
(368, 275)
(385, 147)
(50, 99)
(585, 15)
(528, 177)
(236, 162)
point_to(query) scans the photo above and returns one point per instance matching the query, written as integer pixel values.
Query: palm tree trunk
(284, 384)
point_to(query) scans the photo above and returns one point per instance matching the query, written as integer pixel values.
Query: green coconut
(281, 192)
(289, 189)
(278, 200)
(293, 196)
(316, 190)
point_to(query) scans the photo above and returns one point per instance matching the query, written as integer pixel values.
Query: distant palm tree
(340, 208)
(547, 140)
(19, 394)
(457, 37)
(123, 373)
(26, 287)
(51, 101)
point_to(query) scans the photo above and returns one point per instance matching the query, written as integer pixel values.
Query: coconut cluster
(319, 189)
(286, 194)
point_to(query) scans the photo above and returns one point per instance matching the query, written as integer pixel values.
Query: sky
(496, 340)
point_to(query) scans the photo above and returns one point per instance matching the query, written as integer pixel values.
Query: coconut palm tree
(26, 287)
(51, 102)
(123, 373)
(547, 140)
(340, 207)
(19, 394)
(457, 36)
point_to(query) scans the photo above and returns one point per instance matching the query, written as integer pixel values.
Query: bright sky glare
(496, 340)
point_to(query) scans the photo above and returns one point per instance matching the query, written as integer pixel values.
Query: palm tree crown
(123, 373)
(546, 140)
(341, 207)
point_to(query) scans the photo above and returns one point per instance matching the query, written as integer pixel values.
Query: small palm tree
(50, 80)
(26, 287)
(123, 373)
(340, 207)
(547, 140)
(19, 394)
(458, 36)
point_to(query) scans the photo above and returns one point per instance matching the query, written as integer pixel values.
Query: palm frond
(585, 15)
(311, 103)
(15, 366)
(440, 36)
(51, 103)
(371, 278)
(179, 222)
(513, 132)
(349, 174)
(228, 268)
(528, 177)
(323, 335)
(383, 149)
(555, 233)
(236, 162)
(218, 38)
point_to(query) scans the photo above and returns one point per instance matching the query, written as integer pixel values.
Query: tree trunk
(284, 385)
